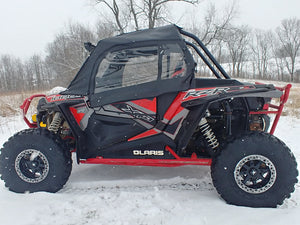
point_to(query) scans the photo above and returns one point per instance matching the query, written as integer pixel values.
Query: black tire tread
(4, 152)
(288, 188)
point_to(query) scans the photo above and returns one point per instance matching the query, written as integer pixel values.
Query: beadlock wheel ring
(32, 166)
(255, 174)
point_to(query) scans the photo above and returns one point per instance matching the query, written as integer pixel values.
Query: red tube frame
(193, 160)
(283, 99)
(25, 107)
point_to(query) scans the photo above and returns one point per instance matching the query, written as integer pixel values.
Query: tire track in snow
(140, 186)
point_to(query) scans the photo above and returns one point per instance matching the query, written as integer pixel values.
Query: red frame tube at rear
(278, 108)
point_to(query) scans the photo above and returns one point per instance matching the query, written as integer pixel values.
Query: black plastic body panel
(80, 136)
(204, 82)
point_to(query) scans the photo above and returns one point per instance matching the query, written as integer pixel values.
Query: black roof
(81, 83)
(170, 32)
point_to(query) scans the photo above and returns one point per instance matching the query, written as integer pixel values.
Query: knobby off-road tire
(255, 170)
(35, 160)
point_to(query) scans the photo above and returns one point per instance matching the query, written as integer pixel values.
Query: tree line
(64, 57)
(243, 51)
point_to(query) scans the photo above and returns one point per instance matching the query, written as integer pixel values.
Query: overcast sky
(28, 25)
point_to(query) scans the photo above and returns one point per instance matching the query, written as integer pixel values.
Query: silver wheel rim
(255, 174)
(32, 166)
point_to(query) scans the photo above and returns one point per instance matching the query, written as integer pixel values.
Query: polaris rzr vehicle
(136, 101)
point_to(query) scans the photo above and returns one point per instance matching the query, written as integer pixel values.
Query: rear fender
(201, 96)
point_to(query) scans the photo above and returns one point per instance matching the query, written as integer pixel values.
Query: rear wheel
(256, 170)
(35, 160)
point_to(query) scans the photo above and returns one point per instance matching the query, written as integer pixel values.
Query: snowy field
(101, 194)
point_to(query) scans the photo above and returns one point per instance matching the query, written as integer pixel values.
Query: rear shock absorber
(56, 121)
(209, 136)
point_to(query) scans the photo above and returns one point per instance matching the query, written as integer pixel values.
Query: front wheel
(35, 160)
(256, 170)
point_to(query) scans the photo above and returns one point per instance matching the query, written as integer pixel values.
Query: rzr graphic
(136, 101)
(196, 93)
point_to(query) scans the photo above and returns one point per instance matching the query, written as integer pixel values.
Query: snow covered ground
(102, 194)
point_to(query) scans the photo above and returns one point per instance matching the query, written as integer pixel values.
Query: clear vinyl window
(135, 66)
(173, 62)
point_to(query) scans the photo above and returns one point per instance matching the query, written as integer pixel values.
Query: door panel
(117, 122)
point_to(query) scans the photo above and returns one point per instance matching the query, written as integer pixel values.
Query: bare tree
(289, 36)
(237, 40)
(11, 73)
(16, 75)
(67, 53)
(261, 48)
(276, 64)
(118, 12)
(138, 13)
(36, 78)
(215, 23)
(212, 29)
(104, 30)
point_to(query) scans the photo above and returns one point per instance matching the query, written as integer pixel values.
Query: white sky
(28, 25)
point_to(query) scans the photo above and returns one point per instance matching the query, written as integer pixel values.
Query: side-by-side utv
(136, 101)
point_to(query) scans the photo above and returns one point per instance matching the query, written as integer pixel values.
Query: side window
(173, 62)
(134, 66)
(127, 67)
